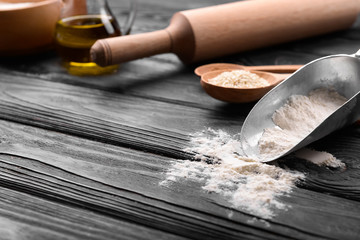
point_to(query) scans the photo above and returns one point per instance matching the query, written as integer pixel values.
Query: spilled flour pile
(319, 158)
(246, 183)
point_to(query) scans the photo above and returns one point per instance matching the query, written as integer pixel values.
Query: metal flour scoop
(341, 72)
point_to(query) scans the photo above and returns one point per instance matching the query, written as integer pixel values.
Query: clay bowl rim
(33, 4)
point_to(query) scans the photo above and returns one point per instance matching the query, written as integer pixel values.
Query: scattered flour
(297, 118)
(239, 79)
(247, 184)
(319, 158)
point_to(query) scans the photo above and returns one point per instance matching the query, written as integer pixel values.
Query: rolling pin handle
(121, 49)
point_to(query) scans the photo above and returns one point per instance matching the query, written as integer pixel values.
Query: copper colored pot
(28, 28)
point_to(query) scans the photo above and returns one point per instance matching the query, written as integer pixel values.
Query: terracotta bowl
(28, 28)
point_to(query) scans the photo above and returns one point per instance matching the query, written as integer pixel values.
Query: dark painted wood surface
(82, 157)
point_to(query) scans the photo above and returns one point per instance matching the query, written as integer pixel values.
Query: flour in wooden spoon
(239, 79)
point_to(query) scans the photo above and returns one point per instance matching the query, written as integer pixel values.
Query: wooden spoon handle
(274, 68)
(230, 66)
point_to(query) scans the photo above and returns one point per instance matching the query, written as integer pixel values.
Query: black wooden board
(82, 157)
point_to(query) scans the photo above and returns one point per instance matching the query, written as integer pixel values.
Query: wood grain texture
(82, 158)
(28, 215)
(86, 113)
(123, 185)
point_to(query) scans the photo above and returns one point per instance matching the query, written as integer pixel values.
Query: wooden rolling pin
(215, 31)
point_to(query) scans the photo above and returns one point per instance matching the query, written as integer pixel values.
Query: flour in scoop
(296, 119)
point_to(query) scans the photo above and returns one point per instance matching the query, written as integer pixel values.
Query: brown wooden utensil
(231, 66)
(239, 95)
(205, 33)
(29, 28)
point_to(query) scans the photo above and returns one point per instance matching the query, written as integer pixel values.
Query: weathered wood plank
(155, 125)
(123, 184)
(108, 116)
(28, 215)
(111, 181)
(344, 145)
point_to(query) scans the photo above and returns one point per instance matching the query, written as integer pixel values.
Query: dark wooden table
(82, 157)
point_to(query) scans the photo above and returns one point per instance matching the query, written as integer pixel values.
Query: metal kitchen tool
(341, 72)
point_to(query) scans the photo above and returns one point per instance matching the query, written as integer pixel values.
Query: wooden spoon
(229, 66)
(239, 95)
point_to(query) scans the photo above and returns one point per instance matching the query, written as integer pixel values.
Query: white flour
(296, 119)
(319, 158)
(248, 184)
(239, 79)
